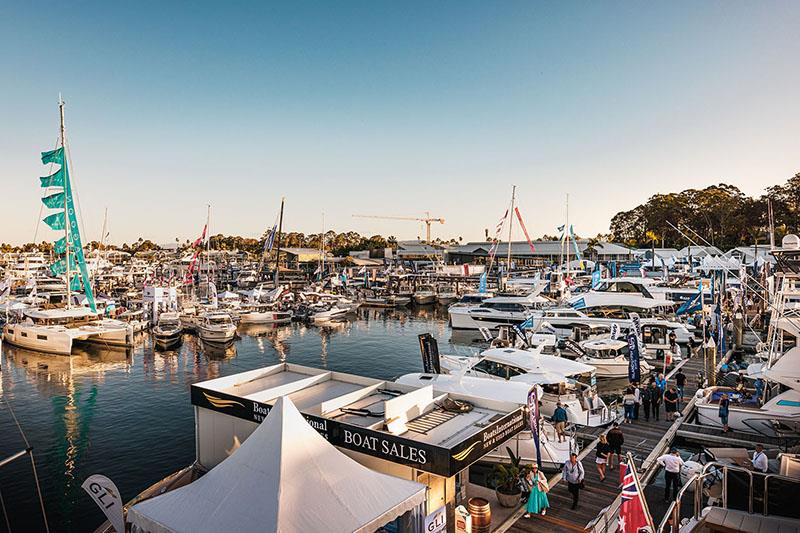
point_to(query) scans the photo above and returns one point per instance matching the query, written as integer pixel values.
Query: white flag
(107, 497)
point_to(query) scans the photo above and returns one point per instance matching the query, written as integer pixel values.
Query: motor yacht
(609, 357)
(217, 328)
(621, 296)
(167, 333)
(263, 314)
(495, 312)
(424, 295)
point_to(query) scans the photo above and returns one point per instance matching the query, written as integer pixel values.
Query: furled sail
(63, 200)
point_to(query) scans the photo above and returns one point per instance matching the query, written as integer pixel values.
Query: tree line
(721, 214)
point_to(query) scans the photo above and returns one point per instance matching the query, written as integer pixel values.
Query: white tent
(285, 477)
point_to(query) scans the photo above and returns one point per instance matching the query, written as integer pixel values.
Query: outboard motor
(429, 349)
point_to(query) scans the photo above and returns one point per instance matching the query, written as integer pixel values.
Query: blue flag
(482, 284)
(596, 277)
(693, 304)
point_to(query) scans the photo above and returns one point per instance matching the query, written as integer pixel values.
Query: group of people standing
(648, 398)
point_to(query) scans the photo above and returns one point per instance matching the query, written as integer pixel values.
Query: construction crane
(427, 219)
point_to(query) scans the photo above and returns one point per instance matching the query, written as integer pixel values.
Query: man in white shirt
(672, 464)
(760, 462)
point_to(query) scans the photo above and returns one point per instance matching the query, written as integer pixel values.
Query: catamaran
(55, 330)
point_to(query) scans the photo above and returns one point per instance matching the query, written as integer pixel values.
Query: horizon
(378, 109)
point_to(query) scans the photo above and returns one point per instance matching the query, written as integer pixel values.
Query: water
(128, 415)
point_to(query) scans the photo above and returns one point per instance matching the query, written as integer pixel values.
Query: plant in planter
(506, 480)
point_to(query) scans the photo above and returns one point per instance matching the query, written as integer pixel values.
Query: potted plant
(506, 480)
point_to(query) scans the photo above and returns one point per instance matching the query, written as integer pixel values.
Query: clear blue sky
(396, 108)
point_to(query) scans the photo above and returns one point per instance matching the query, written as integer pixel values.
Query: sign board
(436, 522)
(423, 456)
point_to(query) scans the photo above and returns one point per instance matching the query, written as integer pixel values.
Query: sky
(390, 108)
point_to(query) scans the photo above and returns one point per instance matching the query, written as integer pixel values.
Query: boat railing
(756, 501)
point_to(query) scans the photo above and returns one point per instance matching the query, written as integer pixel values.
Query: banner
(596, 277)
(637, 330)
(634, 366)
(614, 330)
(482, 284)
(436, 522)
(107, 497)
(524, 229)
(533, 420)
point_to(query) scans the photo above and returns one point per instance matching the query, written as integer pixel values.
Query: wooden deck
(644, 440)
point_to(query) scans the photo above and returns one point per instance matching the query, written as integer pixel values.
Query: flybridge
(438, 433)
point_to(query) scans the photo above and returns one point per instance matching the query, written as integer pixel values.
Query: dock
(599, 501)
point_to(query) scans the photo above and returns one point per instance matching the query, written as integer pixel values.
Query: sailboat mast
(567, 232)
(66, 196)
(510, 224)
(322, 254)
(278, 245)
(208, 245)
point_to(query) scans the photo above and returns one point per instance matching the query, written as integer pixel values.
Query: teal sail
(58, 220)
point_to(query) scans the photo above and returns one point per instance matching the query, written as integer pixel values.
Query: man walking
(646, 403)
(672, 464)
(655, 400)
(573, 475)
(559, 421)
(680, 382)
(615, 441)
(671, 402)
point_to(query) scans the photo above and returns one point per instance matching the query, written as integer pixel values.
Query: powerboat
(622, 296)
(424, 295)
(263, 314)
(167, 333)
(495, 312)
(217, 328)
(609, 357)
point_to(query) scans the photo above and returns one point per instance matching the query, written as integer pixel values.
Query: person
(646, 403)
(655, 400)
(560, 420)
(724, 409)
(672, 464)
(573, 474)
(673, 341)
(671, 402)
(661, 383)
(537, 501)
(637, 394)
(615, 441)
(680, 382)
(601, 456)
(759, 384)
(628, 401)
(760, 462)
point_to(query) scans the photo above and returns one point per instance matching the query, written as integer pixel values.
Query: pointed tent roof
(285, 477)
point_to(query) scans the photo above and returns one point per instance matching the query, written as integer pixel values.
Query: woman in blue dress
(537, 502)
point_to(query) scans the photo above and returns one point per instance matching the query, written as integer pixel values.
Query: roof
(542, 248)
(284, 477)
(75, 312)
(699, 251)
(536, 362)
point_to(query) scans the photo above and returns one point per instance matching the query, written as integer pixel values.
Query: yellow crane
(427, 219)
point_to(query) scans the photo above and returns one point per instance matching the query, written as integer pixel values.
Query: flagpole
(639, 490)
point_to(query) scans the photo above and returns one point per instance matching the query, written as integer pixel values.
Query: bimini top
(404, 424)
(60, 313)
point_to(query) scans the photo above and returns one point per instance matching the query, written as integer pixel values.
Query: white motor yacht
(622, 295)
(495, 312)
(263, 314)
(557, 377)
(424, 295)
(609, 357)
(55, 330)
(167, 333)
(217, 328)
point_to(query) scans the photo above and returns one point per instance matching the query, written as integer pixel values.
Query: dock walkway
(644, 440)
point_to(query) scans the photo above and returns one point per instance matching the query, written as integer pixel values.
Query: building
(418, 251)
(545, 253)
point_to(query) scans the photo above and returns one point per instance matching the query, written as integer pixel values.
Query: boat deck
(644, 440)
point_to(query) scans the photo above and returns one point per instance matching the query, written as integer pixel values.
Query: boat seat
(721, 520)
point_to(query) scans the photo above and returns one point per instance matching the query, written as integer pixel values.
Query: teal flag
(60, 266)
(53, 156)
(55, 221)
(76, 283)
(54, 201)
(56, 179)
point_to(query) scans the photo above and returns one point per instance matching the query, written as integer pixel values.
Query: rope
(5, 513)
(33, 465)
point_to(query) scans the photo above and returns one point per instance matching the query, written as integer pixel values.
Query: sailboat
(55, 330)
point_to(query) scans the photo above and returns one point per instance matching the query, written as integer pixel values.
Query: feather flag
(524, 229)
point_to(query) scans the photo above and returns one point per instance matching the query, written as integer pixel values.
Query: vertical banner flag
(107, 497)
(614, 330)
(634, 368)
(533, 413)
(637, 330)
(482, 284)
(524, 229)
(596, 277)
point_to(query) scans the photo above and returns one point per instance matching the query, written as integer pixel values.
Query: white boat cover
(285, 478)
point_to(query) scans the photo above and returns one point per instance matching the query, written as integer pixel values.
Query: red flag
(202, 237)
(632, 516)
(524, 229)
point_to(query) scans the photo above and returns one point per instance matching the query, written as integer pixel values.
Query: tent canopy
(285, 477)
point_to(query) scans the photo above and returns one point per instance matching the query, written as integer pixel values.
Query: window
(41, 337)
(24, 334)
